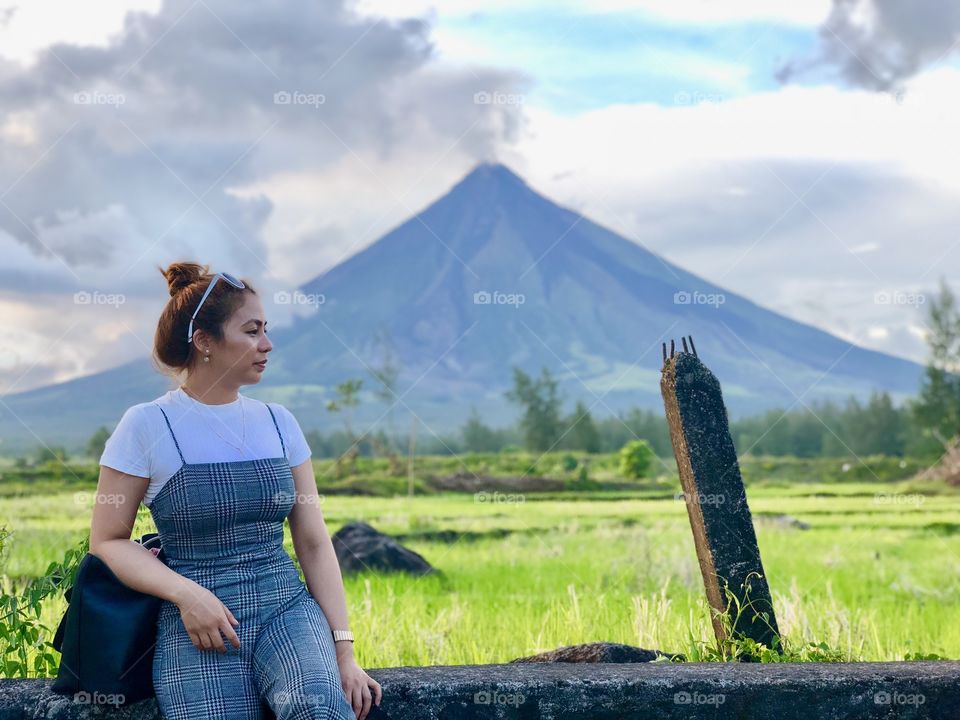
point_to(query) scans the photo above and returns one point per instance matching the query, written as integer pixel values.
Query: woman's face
(245, 343)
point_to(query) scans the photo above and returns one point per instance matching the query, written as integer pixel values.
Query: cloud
(119, 157)
(877, 44)
(807, 200)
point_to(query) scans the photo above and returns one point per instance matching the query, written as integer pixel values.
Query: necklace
(243, 422)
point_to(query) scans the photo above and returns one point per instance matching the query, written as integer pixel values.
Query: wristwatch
(339, 635)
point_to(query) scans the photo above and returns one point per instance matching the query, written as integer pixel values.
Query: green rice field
(875, 574)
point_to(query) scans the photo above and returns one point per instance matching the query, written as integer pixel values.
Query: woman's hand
(204, 617)
(356, 683)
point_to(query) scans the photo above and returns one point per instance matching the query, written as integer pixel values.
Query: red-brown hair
(187, 282)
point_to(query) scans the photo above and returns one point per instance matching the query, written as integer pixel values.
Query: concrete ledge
(554, 691)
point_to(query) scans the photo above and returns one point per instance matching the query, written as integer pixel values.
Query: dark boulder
(361, 547)
(599, 652)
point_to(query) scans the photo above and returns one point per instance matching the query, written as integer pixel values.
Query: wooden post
(715, 497)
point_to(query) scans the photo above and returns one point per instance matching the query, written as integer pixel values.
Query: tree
(386, 375)
(937, 408)
(478, 437)
(635, 459)
(346, 399)
(582, 433)
(97, 442)
(541, 424)
(876, 428)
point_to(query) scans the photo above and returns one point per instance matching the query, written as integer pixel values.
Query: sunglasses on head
(228, 278)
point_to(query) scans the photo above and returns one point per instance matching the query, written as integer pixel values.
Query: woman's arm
(314, 549)
(114, 512)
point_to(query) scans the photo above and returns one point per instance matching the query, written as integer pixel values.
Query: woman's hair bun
(182, 274)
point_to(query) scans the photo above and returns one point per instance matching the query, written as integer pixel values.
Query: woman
(220, 472)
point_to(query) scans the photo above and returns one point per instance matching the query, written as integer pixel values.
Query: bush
(635, 459)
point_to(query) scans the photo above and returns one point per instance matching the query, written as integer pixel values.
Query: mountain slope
(574, 296)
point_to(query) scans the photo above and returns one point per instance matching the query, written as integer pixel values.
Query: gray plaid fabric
(221, 524)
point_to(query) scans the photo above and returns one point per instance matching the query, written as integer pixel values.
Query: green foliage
(52, 455)
(25, 650)
(635, 459)
(581, 432)
(937, 408)
(738, 647)
(97, 442)
(541, 424)
(478, 437)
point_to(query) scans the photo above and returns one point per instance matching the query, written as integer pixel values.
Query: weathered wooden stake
(715, 497)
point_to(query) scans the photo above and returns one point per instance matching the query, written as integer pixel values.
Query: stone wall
(664, 691)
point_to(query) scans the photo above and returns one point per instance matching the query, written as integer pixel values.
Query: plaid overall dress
(221, 525)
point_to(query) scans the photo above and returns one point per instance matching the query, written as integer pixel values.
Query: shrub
(635, 459)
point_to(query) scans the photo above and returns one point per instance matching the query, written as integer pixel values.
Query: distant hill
(490, 276)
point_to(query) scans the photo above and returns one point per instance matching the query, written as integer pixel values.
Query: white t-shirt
(141, 444)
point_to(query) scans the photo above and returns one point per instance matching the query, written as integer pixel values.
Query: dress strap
(282, 446)
(171, 433)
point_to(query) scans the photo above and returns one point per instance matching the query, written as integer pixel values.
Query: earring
(206, 358)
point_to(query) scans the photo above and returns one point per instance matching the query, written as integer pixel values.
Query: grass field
(876, 575)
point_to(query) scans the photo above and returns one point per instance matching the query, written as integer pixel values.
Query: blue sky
(581, 62)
